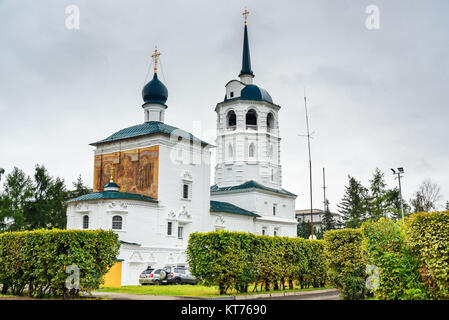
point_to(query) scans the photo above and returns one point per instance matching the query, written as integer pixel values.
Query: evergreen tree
(393, 204)
(304, 229)
(354, 204)
(328, 219)
(47, 209)
(17, 192)
(79, 188)
(377, 198)
(447, 205)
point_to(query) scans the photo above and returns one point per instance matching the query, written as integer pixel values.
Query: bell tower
(248, 142)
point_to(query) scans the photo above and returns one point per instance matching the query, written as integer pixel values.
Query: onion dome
(111, 185)
(155, 91)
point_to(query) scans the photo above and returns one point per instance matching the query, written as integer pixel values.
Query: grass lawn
(187, 290)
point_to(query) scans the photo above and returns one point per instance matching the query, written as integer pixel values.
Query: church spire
(246, 74)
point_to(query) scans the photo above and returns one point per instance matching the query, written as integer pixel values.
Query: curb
(267, 295)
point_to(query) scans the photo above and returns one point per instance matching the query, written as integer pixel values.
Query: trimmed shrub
(427, 235)
(238, 259)
(345, 262)
(398, 277)
(37, 260)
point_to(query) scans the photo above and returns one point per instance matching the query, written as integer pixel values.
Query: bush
(399, 276)
(238, 259)
(38, 260)
(345, 262)
(427, 235)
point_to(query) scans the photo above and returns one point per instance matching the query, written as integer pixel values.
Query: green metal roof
(112, 195)
(147, 128)
(218, 206)
(250, 185)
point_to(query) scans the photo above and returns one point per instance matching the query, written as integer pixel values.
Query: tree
(328, 219)
(393, 204)
(377, 205)
(304, 229)
(79, 188)
(447, 205)
(427, 197)
(354, 204)
(47, 208)
(17, 192)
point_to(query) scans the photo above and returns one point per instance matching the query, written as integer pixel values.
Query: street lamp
(399, 174)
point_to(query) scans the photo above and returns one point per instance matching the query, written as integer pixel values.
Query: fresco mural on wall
(135, 171)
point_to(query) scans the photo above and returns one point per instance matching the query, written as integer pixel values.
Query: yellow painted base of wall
(113, 279)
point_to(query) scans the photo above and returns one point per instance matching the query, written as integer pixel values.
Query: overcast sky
(377, 98)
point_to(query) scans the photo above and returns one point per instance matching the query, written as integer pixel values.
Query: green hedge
(398, 275)
(238, 259)
(37, 261)
(427, 235)
(345, 262)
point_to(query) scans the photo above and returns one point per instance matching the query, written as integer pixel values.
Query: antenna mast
(310, 165)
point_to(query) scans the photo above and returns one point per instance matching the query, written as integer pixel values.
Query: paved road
(129, 296)
(326, 294)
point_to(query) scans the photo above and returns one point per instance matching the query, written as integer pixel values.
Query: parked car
(177, 275)
(150, 276)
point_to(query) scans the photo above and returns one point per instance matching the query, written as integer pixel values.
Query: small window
(180, 232)
(232, 94)
(117, 222)
(264, 231)
(86, 222)
(169, 228)
(185, 191)
(274, 210)
(275, 232)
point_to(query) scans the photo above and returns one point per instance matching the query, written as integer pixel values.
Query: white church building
(152, 180)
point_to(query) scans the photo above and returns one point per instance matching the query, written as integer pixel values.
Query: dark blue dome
(253, 92)
(155, 91)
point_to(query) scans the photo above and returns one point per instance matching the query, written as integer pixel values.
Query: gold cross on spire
(155, 55)
(245, 14)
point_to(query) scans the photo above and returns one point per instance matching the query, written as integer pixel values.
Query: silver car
(150, 276)
(177, 275)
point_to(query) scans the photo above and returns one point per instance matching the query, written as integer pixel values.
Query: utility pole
(399, 174)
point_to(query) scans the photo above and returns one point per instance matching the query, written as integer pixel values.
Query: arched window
(230, 152)
(270, 122)
(117, 222)
(251, 120)
(231, 120)
(252, 150)
(85, 222)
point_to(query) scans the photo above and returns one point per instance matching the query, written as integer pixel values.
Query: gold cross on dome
(112, 174)
(245, 14)
(155, 55)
